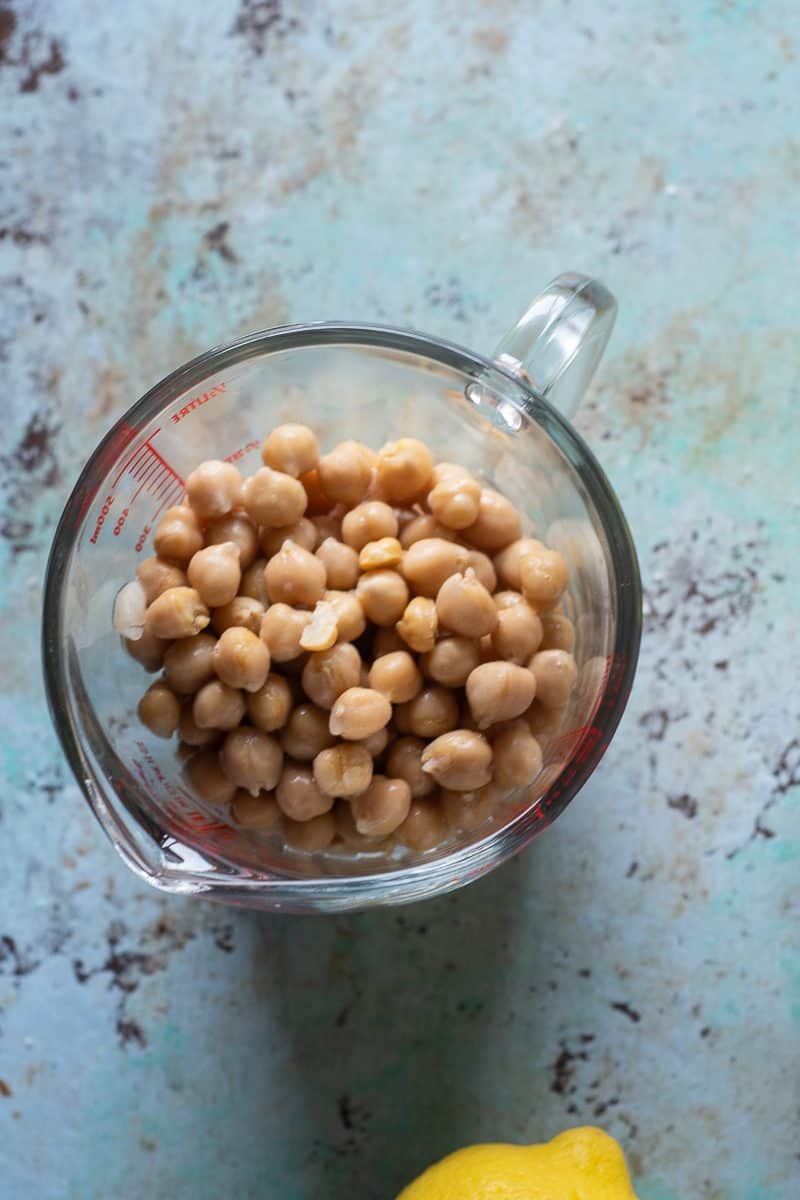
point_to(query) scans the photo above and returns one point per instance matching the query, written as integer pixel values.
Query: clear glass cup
(504, 417)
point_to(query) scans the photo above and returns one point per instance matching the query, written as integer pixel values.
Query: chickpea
(431, 713)
(518, 633)
(451, 661)
(328, 673)
(148, 650)
(217, 706)
(396, 676)
(486, 649)
(448, 470)
(555, 672)
(302, 533)
(350, 619)
(322, 630)
(466, 812)
(213, 489)
(424, 827)
(206, 777)
(544, 576)
(340, 563)
(291, 448)
(157, 576)
(310, 836)
(544, 722)
(517, 757)
(259, 812)
(482, 565)
(281, 631)
(160, 710)
(383, 595)
(269, 707)
(215, 573)
(271, 498)
(419, 624)
(253, 585)
(404, 469)
(377, 742)
(423, 527)
(177, 613)
(455, 501)
(346, 827)
(386, 552)
(294, 576)
(404, 762)
(306, 733)
(465, 606)
(344, 770)
(359, 712)
(241, 659)
(191, 734)
(558, 632)
(298, 794)
(318, 502)
(189, 663)
(368, 522)
(346, 473)
(508, 599)
(507, 561)
(236, 527)
(382, 808)
(429, 562)
(460, 760)
(242, 610)
(386, 641)
(251, 759)
(178, 535)
(497, 524)
(499, 691)
(328, 525)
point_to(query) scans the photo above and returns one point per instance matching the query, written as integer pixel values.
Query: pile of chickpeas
(353, 646)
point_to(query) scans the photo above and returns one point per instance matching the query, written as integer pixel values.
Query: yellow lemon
(581, 1164)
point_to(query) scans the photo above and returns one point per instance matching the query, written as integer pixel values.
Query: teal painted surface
(168, 181)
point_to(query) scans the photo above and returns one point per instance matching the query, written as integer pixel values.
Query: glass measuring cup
(503, 417)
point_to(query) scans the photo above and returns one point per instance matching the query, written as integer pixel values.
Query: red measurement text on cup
(197, 402)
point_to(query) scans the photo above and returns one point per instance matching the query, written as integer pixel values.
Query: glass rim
(498, 845)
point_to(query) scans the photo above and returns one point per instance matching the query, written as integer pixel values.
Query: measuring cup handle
(556, 345)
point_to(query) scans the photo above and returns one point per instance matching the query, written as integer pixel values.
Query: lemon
(581, 1164)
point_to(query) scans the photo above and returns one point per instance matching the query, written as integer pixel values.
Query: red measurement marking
(101, 520)
(240, 453)
(217, 390)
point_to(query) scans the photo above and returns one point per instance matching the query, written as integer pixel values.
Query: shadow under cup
(367, 383)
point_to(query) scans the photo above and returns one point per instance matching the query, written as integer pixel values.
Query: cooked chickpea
(206, 777)
(482, 565)
(329, 525)
(178, 535)
(241, 659)
(464, 605)
(382, 808)
(281, 631)
(396, 676)
(424, 827)
(368, 522)
(160, 710)
(404, 762)
(298, 794)
(386, 641)
(429, 562)
(215, 573)
(422, 527)
(518, 633)
(346, 473)
(291, 448)
(322, 630)
(269, 707)
(340, 563)
(251, 759)
(508, 599)
(558, 632)
(274, 499)
(497, 524)
(148, 650)
(377, 742)
(218, 706)
(328, 673)
(455, 501)
(346, 827)
(306, 733)
(236, 527)
(359, 712)
(544, 722)
(419, 624)
(507, 562)
(517, 757)
(214, 489)
(451, 661)
(433, 712)
(253, 585)
(486, 649)
(318, 501)
(499, 691)
(294, 576)
(344, 770)
(177, 613)
(404, 469)
(259, 812)
(555, 672)
(350, 619)
(311, 836)
(302, 533)
(448, 470)
(242, 610)
(460, 760)
(383, 595)
(544, 575)
(191, 734)
(189, 663)
(386, 552)
(157, 576)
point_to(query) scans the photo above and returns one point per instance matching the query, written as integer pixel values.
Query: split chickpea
(214, 489)
(350, 619)
(281, 630)
(385, 552)
(419, 624)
